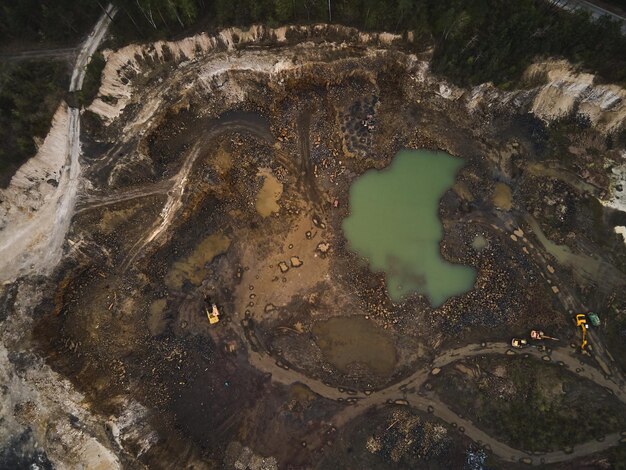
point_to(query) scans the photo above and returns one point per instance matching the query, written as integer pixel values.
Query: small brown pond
(346, 341)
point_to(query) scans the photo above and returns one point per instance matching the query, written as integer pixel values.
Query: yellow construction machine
(581, 321)
(213, 315)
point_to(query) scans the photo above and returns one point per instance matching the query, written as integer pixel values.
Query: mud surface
(354, 341)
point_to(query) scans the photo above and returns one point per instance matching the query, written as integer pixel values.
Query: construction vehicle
(213, 315)
(593, 318)
(581, 321)
(519, 343)
(539, 335)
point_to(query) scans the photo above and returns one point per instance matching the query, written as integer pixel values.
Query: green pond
(394, 224)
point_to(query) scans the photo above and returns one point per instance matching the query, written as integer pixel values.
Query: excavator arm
(581, 321)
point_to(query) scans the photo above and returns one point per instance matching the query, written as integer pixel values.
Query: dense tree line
(65, 21)
(474, 41)
(29, 94)
(57, 21)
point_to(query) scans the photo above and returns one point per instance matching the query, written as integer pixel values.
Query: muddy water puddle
(479, 243)
(156, 321)
(269, 194)
(193, 267)
(346, 341)
(502, 197)
(394, 224)
(223, 161)
(587, 269)
(556, 172)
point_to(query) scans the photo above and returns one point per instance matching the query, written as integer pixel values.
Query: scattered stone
(295, 262)
(435, 371)
(283, 267)
(323, 247)
(555, 289)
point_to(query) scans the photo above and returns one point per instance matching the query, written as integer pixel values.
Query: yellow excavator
(581, 321)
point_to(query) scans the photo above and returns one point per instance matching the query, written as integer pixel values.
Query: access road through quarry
(35, 244)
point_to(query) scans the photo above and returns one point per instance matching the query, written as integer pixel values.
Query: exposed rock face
(568, 91)
(210, 64)
(37, 178)
(215, 51)
(36, 399)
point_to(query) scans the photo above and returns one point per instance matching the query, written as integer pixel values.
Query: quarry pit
(217, 170)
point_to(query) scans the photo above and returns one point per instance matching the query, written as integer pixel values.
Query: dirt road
(36, 244)
(409, 392)
(64, 53)
(595, 11)
(95, 201)
(178, 187)
(306, 177)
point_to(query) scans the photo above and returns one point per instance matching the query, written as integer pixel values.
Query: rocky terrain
(216, 169)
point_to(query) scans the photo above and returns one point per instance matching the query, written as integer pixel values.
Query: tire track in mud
(306, 176)
(178, 188)
(95, 202)
(407, 392)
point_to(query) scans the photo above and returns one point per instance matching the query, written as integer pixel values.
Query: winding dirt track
(410, 392)
(36, 244)
(179, 181)
(94, 202)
